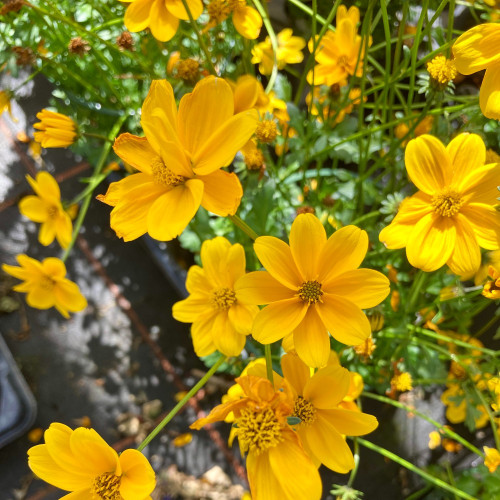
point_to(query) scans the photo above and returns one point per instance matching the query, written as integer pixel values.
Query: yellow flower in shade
(340, 54)
(475, 50)
(313, 285)
(80, 461)
(277, 465)
(402, 382)
(55, 130)
(324, 423)
(423, 127)
(442, 70)
(434, 440)
(246, 19)
(453, 213)
(491, 459)
(45, 207)
(45, 284)
(5, 102)
(491, 289)
(289, 52)
(179, 161)
(221, 320)
(160, 16)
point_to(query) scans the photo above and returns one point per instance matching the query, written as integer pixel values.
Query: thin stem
(269, 363)
(97, 136)
(354, 471)
(415, 289)
(181, 403)
(238, 222)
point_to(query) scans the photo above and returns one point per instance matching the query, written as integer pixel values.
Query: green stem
(97, 171)
(181, 403)
(269, 363)
(238, 222)
(97, 136)
(413, 468)
(354, 471)
(415, 289)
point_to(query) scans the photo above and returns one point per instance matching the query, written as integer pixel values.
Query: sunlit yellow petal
(69, 297)
(489, 94)
(201, 333)
(226, 339)
(213, 255)
(35, 208)
(467, 153)
(39, 298)
(335, 378)
(480, 186)
(162, 23)
(242, 316)
(485, 222)
(137, 15)
(263, 481)
(138, 478)
(135, 151)
(350, 423)
(296, 372)
(261, 288)
(466, 257)
(222, 193)
(196, 280)
(190, 309)
(176, 7)
(247, 22)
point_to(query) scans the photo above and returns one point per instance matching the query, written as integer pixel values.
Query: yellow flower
(475, 50)
(366, 349)
(278, 467)
(324, 423)
(402, 382)
(55, 130)
(45, 284)
(487, 259)
(491, 289)
(423, 127)
(266, 131)
(442, 70)
(253, 156)
(455, 412)
(289, 52)
(5, 102)
(221, 320)
(80, 461)
(338, 52)
(313, 285)
(246, 19)
(179, 161)
(45, 207)
(161, 17)
(453, 213)
(491, 459)
(182, 439)
(434, 440)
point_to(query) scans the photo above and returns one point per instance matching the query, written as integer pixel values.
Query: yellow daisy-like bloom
(246, 19)
(160, 16)
(491, 459)
(289, 51)
(475, 50)
(323, 421)
(338, 52)
(491, 289)
(454, 213)
(55, 130)
(179, 161)
(313, 285)
(221, 321)
(442, 70)
(46, 285)
(46, 207)
(81, 462)
(277, 465)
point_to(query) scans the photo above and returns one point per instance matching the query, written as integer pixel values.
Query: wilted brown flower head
(125, 41)
(24, 55)
(11, 6)
(78, 46)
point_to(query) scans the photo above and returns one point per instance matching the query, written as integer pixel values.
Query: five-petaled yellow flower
(475, 50)
(313, 285)
(54, 130)
(160, 16)
(221, 321)
(277, 465)
(453, 213)
(45, 207)
(46, 285)
(81, 462)
(179, 160)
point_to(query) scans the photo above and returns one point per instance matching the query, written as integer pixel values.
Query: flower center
(447, 203)
(218, 10)
(46, 283)
(343, 61)
(304, 410)
(223, 298)
(163, 175)
(235, 5)
(311, 292)
(106, 487)
(258, 431)
(52, 211)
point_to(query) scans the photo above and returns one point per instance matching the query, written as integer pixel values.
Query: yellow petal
(485, 222)
(328, 445)
(135, 151)
(364, 287)
(69, 297)
(176, 7)
(311, 340)
(138, 478)
(261, 288)
(350, 423)
(431, 243)
(220, 148)
(39, 298)
(428, 164)
(226, 339)
(296, 372)
(190, 309)
(213, 255)
(137, 15)
(264, 484)
(489, 94)
(196, 280)
(47, 233)
(335, 378)
(480, 186)
(476, 49)
(162, 23)
(344, 250)
(307, 239)
(203, 111)
(411, 210)
(35, 208)
(241, 317)
(45, 186)
(344, 320)
(78, 495)
(467, 153)
(201, 333)
(236, 263)
(172, 212)
(64, 230)
(117, 190)
(275, 255)
(278, 319)
(222, 193)
(247, 22)
(466, 257)
(246, 93)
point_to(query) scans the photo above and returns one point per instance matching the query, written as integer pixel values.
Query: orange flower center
(304, 410)
(258, 431)
(163, 175)
(223, 298)
(447, 203)
(106, 487)
(311, 292)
